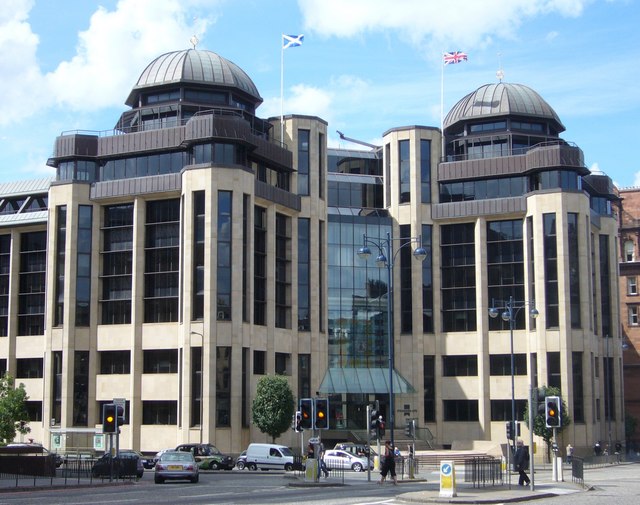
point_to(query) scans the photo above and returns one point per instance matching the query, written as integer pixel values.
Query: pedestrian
(521, 461)
(322, 466)
(569, 453)
(388, 464)
(597, 449)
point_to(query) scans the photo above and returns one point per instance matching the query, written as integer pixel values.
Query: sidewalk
(544, 487)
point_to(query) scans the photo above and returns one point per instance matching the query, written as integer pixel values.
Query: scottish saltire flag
(454, 57)
(291, 40)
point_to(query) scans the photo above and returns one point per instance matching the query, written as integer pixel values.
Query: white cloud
(311, 101)
(110, 54)
(115, 48)
(20, 85)
(466, 23)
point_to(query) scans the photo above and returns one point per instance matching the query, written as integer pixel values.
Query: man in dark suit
(521, 462)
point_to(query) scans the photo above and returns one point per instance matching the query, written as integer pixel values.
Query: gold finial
(194, 41)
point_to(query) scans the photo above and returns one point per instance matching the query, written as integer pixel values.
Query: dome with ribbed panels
(196, 67)
(502, 99)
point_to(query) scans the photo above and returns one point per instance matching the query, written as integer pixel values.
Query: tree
(13, 411)
(630, 424)
(273, 407)
(539, 423)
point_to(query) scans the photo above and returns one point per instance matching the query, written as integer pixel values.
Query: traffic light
(410, 429)
(297, 421)
(306, 413)
(120, 415)
(552, 412)
(109, 423)
(509, 430)
(373, 423)
(322, 414)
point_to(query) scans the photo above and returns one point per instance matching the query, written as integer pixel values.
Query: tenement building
(630, 308)
(177, 259)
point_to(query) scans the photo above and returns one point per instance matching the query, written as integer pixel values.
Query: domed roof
(502, 99)
(194, 66)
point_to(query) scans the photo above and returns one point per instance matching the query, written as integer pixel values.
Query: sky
(365, 66)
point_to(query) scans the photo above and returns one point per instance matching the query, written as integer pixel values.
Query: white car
(345, 460)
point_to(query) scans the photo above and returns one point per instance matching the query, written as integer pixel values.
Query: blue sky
(365, 66)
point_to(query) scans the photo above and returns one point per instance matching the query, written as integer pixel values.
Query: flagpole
(442, 157)
(282, 88)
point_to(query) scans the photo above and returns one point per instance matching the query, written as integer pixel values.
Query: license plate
(175, 467)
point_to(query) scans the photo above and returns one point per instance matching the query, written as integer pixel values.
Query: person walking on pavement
(388, 464)
(521, 461)
(322, 465)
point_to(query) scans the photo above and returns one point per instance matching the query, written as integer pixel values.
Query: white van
(269, 457)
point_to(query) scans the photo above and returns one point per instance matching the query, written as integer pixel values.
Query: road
(614, 484)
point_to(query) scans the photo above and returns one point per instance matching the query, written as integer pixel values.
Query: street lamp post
(510, 311)
(386, 257)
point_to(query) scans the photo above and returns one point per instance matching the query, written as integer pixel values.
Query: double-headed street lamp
(510, 311)
(386, 257)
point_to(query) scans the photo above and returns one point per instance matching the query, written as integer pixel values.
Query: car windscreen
(211, 450)
(285, 451)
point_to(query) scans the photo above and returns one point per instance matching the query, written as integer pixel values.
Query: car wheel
(253, 466)
(140, 474)
(240, 465)
(357, 467)
(288, 467)
(158, 480)
(194, 480)
(214, 465)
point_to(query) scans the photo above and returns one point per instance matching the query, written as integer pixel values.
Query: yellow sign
(447, 479)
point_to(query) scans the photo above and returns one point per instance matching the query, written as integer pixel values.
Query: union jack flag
(454, 57)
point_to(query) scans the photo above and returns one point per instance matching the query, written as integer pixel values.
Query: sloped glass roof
(363, 381)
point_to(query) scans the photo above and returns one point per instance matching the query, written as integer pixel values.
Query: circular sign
(445, 469)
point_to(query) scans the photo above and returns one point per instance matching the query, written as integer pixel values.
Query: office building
(191, 250)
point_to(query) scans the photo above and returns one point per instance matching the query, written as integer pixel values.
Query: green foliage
(539, 425)
(12, 409)
(630, 424)
(274, 406)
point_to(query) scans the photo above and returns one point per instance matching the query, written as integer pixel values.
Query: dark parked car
(208, 456)
(22, 448)
(128, 464)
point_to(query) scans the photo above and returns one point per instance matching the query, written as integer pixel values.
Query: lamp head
(506, 315)
(420, 253)
(534, 313)
(364, 252)
(493, 312)
(381, 260)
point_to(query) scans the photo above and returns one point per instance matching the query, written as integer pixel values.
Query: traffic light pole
(369, 443)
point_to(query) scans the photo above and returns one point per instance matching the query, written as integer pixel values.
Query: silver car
(345, 460)
(176, 465)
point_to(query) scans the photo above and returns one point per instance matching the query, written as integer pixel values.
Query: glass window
(632, 285)
(404, 160)
(629, 250)
(633, 315)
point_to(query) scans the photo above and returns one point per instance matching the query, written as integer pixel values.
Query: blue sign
(446, 469)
